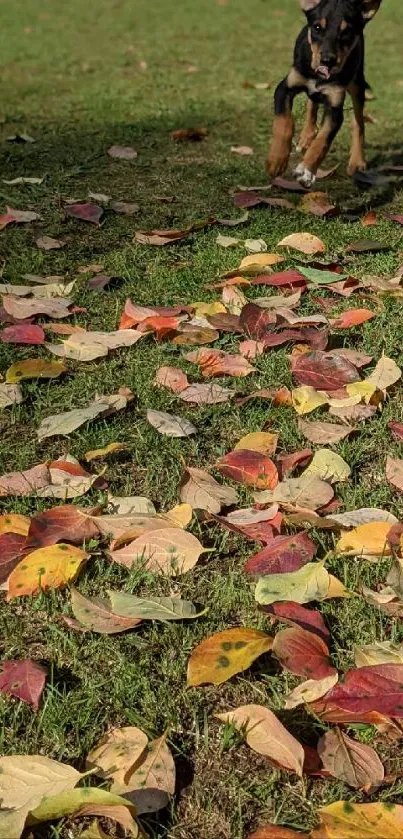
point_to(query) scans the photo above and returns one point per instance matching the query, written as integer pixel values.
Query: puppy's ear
(370, 8)
(307, 5)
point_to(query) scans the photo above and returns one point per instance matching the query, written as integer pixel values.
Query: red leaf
(303, 653)
(297, 615)
(282, 555)
(286, 463)
(377, 688)
(397, 218)
(69, 467)
(261, 531)
(248, 199)
(397, 428)
(160, 325)
(250, 468)
(324, 371)
(60, 524)
(85, 212)
(352, 317)
(282, 278)
(317, 338)
(11, 551)
(23, 333)
(24, 679)
(256, 322)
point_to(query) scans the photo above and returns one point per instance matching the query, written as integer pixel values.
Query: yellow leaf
(45, 568)
(266, 735)
(336, 589)
(96, 454)
(205, 309)
(306, 399)
(367, 539)
(34, 368)
(386, 373)
(259, 441)
(365, 390)
(311, 582)
(14, 523)
(380, 652)
(254, 263)
(222, 655)
(347, 820)
(328, 466)
(180, 515)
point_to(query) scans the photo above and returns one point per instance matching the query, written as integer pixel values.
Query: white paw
(304, 176)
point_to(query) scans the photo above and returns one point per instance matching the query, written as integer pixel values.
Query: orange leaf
(352, 317)
(220, 363)
(250, 468)
(224, 654)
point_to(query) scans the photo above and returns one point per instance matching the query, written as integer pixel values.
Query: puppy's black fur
(328, 62)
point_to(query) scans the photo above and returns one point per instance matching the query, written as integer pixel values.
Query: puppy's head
(334, 26)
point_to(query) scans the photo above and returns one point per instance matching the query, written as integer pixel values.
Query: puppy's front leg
(283, 126)
(332, 122)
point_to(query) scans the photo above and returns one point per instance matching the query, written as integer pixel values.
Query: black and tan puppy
(328, 62)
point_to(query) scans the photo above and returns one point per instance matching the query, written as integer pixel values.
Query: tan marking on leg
(280, 150)
(310, 128)
(320, 146)
(357, 155)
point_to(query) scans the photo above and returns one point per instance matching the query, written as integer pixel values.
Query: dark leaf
(282, 555)
(366, 246)
(298, 615)
(303, 653)
(324, 371)
(85, 212)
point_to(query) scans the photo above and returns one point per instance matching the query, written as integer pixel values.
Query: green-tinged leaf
(308, 583)
(152, 608)
(318, 277)
(66, 803)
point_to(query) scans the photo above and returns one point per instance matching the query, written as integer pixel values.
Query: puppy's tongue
(323, 71)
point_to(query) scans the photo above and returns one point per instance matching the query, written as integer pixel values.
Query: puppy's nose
(328, 59)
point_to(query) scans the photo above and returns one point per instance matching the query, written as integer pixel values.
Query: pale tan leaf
(267, 736)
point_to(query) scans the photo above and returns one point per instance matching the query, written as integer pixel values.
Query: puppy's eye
(317, 28)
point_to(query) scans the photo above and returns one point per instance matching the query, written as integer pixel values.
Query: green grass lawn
(79, 77)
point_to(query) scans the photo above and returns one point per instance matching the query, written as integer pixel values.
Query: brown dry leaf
(172, 378)
(86, 346)
(323, 432)
(350, 761)
(306, 492)
(242, 150)
(394, 472)
(20, 309)
(170, 425)
(203, 492)
(267, 736)
(303, 242)
(122, 152)
(206, 394)
(170, 551)
(369, 219)
(10, 395)
(118, 751)
(318, 204)
(47, 243)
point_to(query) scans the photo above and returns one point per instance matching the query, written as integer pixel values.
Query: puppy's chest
(319, 92)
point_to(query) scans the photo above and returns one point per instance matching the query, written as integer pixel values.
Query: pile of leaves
(291, 498)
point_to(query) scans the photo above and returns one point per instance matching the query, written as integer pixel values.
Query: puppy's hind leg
(310, 128)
